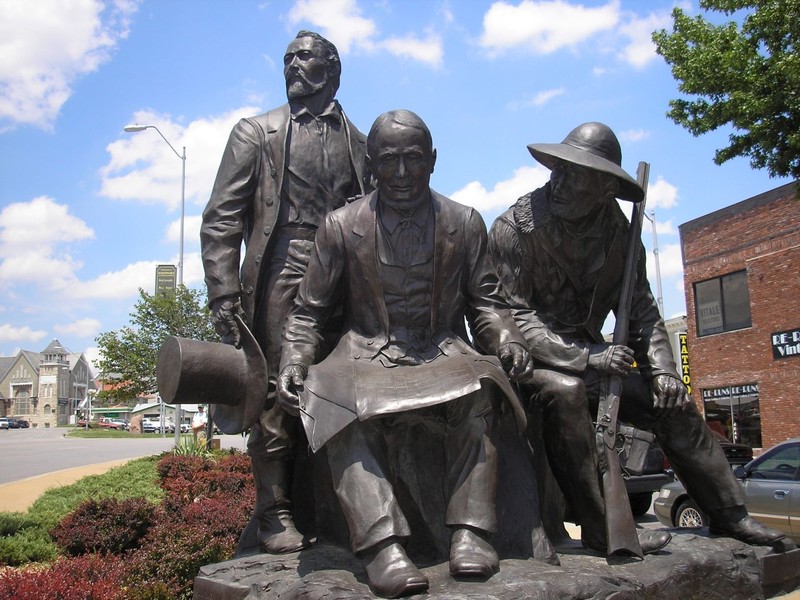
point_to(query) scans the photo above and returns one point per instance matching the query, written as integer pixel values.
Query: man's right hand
(289, 383)
(612, 359)
(222, 312)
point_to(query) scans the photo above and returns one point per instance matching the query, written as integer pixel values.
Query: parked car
(737, 454)
(22, 423)
(769, 482)
(4, 423)
(120, 424)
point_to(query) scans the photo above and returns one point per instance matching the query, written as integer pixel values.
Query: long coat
(344, 270)
(245, 203)
(561, 306)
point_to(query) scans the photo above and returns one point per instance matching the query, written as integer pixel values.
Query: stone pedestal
(692, 566)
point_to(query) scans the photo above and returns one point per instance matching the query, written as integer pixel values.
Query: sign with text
(785, 343)
(166, 280)
(686, 376)
(730, 392)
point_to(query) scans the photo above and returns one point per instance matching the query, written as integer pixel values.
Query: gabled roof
(55, 347)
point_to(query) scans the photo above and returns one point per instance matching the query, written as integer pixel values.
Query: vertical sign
(166, 280)
(686, 376)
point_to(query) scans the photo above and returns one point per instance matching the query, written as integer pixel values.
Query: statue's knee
(562, 392)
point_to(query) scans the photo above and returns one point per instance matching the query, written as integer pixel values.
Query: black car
(18, 423)
(737, 454)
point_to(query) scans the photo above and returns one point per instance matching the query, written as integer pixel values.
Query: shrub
(14, 522)
(105, 526)
(28, 545)
(76, 578)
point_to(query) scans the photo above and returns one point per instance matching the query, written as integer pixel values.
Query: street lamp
(660, 298)
(135, 129)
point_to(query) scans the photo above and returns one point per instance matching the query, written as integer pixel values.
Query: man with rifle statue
(562, 252)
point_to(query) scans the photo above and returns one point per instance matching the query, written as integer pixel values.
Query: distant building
(742, 284)
(45, 388)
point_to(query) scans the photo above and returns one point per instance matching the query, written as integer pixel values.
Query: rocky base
(694, 565)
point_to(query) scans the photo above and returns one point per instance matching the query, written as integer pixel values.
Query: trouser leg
(358, 463)
(471, 461)
(571, 450)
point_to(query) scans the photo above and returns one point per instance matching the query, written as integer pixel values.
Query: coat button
(370, 342)
(249, 290)
(258, 259)
(356, 356)
(267, 230)
(269, 201)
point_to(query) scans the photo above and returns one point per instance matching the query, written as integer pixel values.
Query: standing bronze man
(408, 265)
(560, 251)
(280, 174)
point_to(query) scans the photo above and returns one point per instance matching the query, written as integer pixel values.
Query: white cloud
(536, 100)
(116, 285)
(342, 22)
(669, 261)
(544, 26)
(191, 231)
(142, 166)
(45, 46)
(338, 20)
(504, 193)
(428, 50)
(640, 49)
(87, 327)
(634, 135)
(9, 333)
(661, 194)
(33, 236)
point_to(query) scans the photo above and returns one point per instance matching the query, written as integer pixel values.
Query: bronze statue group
(357, 282)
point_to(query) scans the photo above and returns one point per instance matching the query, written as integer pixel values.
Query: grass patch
(82, 432)
(25, 537)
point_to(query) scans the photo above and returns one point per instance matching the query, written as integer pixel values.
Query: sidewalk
(18, 496)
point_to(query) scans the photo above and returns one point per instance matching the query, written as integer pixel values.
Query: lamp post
(135, 129)
(660, 298)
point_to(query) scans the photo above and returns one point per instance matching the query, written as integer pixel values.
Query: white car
(4, 423)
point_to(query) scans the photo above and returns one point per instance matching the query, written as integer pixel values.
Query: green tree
(743, 73)
(129, 355)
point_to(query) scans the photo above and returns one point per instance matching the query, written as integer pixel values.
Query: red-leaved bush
(108, 526)
(207, 505)
(75, 578)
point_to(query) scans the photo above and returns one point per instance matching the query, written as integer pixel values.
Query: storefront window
(722, 304)
(734, 412)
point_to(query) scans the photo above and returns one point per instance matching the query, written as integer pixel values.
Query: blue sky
(88, 211)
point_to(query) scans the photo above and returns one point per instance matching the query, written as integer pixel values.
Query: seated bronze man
(407, 265)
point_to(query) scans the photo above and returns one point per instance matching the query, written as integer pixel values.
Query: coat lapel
(444, 243)
(367, 274)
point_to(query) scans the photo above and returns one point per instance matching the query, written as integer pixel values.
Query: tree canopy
(129, 355)
(744, 73)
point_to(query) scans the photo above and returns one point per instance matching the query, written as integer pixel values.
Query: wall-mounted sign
(686, 376)
(786, 343)
(166, 280)
(730, 392)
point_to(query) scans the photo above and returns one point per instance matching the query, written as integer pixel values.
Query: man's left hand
(516, 361)
(290, 381)
(669, 395)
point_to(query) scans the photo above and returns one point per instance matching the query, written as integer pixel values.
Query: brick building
(742, 284)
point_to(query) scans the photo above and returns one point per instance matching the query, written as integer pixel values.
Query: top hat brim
(550, 154)
(237, 418)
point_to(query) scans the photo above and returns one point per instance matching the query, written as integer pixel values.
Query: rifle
(620, 527)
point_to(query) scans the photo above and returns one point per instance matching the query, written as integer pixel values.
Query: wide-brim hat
(595, 146)
(231, 381)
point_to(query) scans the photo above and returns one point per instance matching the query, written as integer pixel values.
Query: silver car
(771, 486)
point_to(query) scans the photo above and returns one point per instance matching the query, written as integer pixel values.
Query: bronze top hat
(595, 146)
(231, 380)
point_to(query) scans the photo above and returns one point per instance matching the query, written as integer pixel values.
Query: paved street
(29, 452)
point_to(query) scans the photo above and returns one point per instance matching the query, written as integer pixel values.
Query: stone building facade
(742, 285)
(44, 388)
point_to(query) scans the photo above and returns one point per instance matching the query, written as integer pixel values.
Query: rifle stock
(621, 533)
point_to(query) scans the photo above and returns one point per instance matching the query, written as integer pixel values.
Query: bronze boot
(276, 531)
